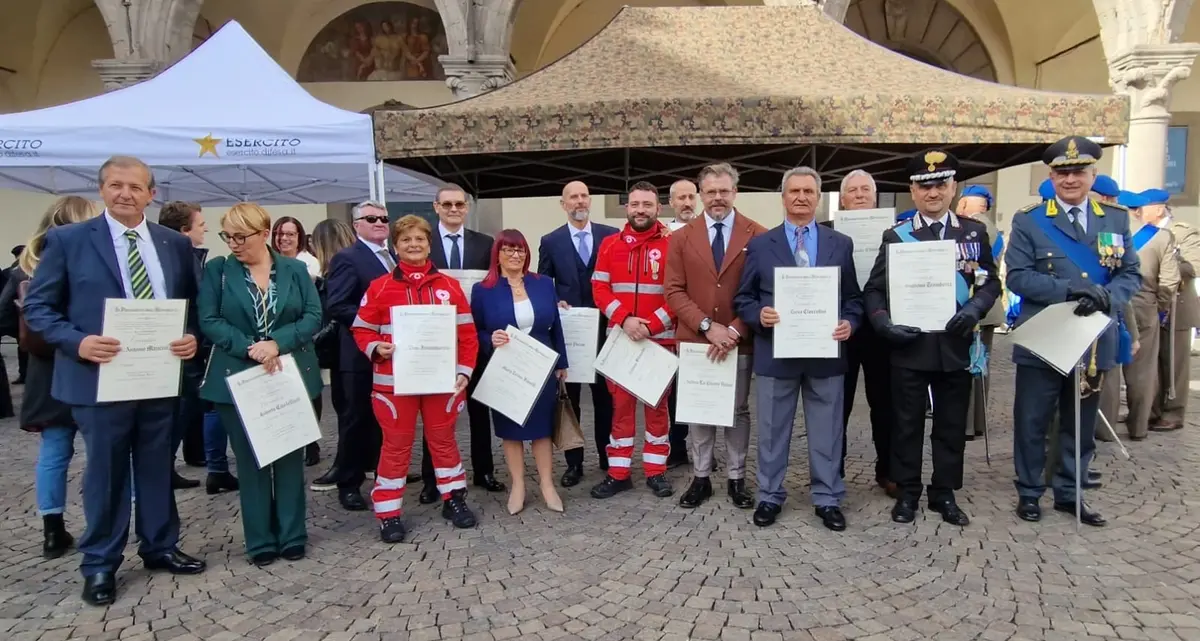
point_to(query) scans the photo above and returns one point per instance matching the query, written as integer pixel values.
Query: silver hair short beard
(579, 215)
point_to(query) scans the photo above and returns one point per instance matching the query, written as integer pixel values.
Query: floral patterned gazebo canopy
(661, 91)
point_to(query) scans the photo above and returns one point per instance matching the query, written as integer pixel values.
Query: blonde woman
(40, 412)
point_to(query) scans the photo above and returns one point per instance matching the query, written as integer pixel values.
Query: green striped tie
(137, 269)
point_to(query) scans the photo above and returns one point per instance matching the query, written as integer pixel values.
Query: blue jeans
(216, 441)
(54, 456)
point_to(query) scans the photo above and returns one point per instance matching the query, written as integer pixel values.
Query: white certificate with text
(426, 356)
(806, 299)
(145, 367)
(643, 368)
(515, 375)
(865, 227)
(706, 390)
(275, 409)
(581, 333)
(466, 278)
(921, 284)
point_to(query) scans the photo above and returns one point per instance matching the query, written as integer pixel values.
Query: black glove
(901, 334)
(962, 323)
(1092, 299)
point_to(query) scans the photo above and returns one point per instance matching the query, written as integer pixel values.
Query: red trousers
(624, 426)
(397, 416)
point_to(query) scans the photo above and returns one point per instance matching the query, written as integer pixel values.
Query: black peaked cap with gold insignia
(1072, 152)
(932, 166)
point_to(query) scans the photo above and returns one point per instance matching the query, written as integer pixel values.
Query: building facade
(357, 54)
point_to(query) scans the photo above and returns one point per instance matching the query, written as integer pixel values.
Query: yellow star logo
(208, 145)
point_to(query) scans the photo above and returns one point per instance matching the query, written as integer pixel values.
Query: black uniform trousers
(359, 437)
(679, 431)
(480, 419)
(948, 438)
(868, 350)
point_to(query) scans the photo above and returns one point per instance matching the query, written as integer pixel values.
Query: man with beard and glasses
(924, 360)
(628, 286)
(568, 255)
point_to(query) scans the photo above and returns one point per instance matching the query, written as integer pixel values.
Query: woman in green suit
(255, 306)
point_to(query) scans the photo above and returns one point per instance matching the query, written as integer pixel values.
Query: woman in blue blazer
(510, 295)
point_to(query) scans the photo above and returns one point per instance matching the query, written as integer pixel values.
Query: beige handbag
(567, 435)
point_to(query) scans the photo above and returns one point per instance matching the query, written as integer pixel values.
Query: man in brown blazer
(704, 265)
(1168, 413)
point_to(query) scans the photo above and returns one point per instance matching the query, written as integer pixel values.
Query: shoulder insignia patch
(1029, 208)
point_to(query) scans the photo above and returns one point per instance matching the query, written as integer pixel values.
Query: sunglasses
(458, 204)
(372, 219)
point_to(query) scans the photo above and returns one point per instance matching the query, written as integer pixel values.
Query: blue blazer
(350, 272)
(757, 290)
(558, 258)
(77, 272)
(492, 308)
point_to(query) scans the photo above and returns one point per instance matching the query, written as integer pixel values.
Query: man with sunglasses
(350, 273)
(456, 247)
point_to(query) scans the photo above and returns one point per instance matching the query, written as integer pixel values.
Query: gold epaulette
(1115, 206)
(1029, 208)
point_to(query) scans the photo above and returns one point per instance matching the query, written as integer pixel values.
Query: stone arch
(932, 31)
(65, 74)
(159, 30)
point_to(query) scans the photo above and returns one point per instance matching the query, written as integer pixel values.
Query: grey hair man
(857, 191)
(683, 202)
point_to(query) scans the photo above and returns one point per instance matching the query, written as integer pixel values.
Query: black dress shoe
(766, 513)
(950, 512)
(832, 517)
(327, 481)
(195, 462)
(675, 460)
(572, 476)
(352, 500)
(1094, 476)
(610, 487)
(294, 553)
(180, 483)
(218, 482)
(56, 540)
(1029, 509)
(429, 494)
(697, 493)
(489, 483)
(660, 486)
(904, 511)
(739, 495)
(175, 562)
(100, 589)
(455, 510)
(1087, 516)
(312, 454)
(263, 559)
(392, 530)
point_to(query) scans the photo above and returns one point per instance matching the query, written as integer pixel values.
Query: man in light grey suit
(782, 382)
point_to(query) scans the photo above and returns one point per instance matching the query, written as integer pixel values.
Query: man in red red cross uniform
(627, 286)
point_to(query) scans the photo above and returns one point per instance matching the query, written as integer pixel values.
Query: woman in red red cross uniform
(415, 281)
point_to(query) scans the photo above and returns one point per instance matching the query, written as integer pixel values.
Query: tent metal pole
(374, 195)
(380, 186)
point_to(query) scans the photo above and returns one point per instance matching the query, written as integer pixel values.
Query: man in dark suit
(456, 247)
(568, 255)
(933, 357)
(783, 382)
(350, 272)
(117, 255)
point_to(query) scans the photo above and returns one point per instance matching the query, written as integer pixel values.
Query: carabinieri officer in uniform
(1066, 248)
(937, 360)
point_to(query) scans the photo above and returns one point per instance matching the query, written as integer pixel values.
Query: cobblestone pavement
(641, 568)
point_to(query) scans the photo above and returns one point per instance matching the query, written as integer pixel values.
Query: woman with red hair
(512, 296)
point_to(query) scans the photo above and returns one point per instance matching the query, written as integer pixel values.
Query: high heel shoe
(516, 500)
(552, 499)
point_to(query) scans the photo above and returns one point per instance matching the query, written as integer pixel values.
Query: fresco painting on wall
(377, 41)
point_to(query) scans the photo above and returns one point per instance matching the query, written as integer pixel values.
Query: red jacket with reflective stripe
(628, 280)
(373, 325)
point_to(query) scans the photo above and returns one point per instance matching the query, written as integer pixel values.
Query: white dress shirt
(944, 220)
(447, 244)
(376, 249)
(1083, 211)
(726, 228)
(149, 254)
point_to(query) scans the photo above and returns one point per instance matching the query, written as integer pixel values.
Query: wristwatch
(705, 325)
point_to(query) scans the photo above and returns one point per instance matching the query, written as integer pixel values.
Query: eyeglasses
(237, 240)
(723, 193)
(512, 251)
(458, 204)
(287, 234)
(372, 219)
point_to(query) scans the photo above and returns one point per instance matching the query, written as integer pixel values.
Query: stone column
(467, 78)
(1147, 73)
(117, 73)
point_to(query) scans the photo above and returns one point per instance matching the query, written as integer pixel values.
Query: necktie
(585, 252)
(1074, 213)
(718, 246)
(387, 259)
(800, 251)
(138, 278)
(455, 253)
(937, 230)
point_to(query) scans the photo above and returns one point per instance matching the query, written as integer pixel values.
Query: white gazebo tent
(222, 125)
